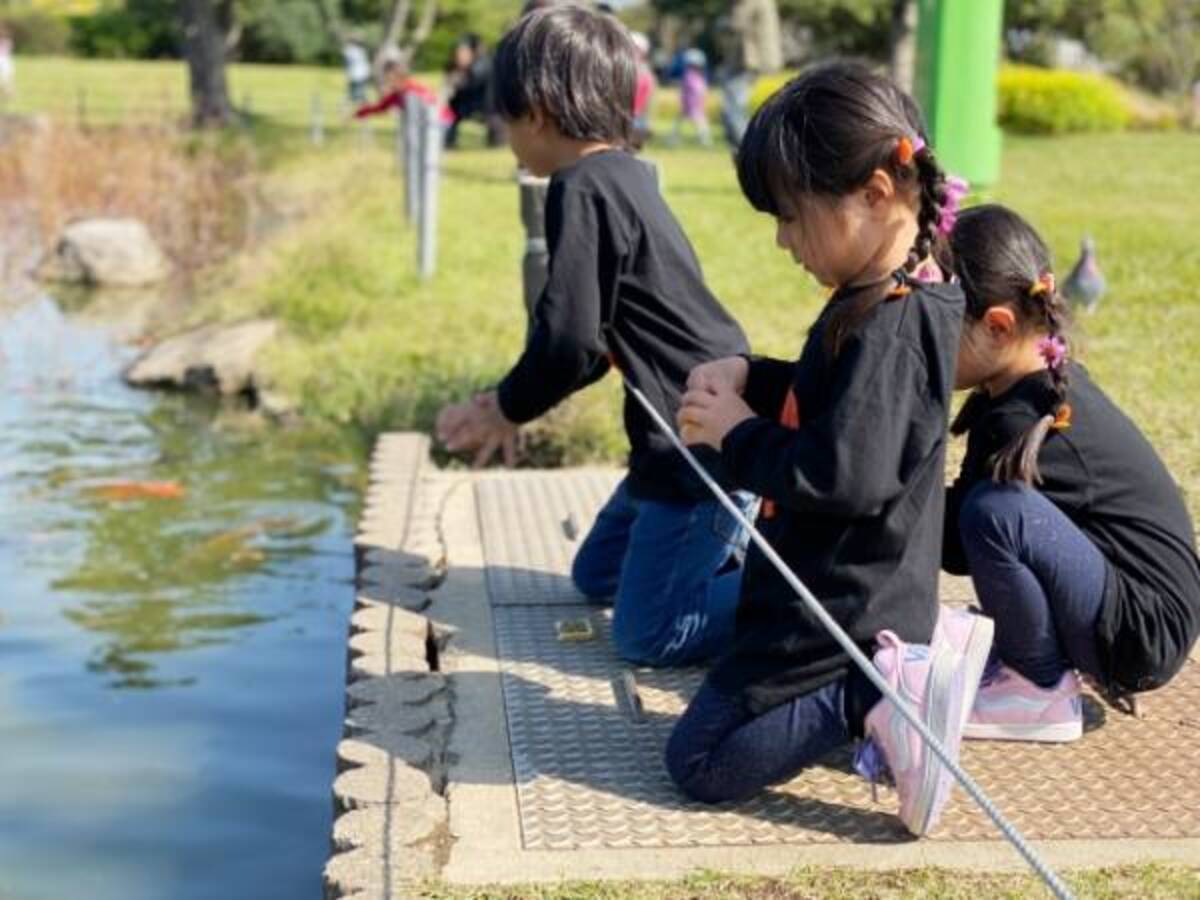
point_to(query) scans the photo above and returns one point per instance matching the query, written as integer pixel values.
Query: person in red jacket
(398, 84)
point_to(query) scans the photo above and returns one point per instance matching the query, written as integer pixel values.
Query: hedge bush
(1033, 100)
(766, 86)
(1055, 101)
(37, 33)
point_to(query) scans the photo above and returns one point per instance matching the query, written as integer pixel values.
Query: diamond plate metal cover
(526, 519)
(589, 777)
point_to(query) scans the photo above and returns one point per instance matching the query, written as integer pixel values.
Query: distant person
(7, 73)
(752, 46)
(358, 69)
(397, 87)
(625, 292)
(643, 95)
(693, 97)
(468, 80)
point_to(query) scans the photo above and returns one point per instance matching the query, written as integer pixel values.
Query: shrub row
(1043, 101)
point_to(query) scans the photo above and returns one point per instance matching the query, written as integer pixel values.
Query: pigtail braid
(932, 183)
(1018, 461)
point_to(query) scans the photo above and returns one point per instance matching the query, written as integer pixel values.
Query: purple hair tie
(956, 189)
(1054, 351)
(918, 144)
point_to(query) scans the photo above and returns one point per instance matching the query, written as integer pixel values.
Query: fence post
(316, 120)
(412, 156)
(537, 256)
(401, 158)
(431, 159)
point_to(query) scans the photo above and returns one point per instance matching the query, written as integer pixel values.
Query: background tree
(207, 25)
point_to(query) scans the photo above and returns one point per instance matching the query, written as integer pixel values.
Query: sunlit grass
(1149, 882)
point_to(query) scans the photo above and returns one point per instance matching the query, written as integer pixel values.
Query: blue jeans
(1038, 576)
(720, 751)
(669, 568)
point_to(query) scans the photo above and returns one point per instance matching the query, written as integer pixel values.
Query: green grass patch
(1149, 882)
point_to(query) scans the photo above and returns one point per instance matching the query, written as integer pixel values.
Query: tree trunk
(204, 49)
(904, 42)
(396, 44)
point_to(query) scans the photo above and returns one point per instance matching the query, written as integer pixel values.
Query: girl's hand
(731, 371)
(706, 416)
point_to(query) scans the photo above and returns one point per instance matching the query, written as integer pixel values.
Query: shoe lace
(869, 762)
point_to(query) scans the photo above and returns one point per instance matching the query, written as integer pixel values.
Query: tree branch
(396, 22)
(332, 21)
(425, 26)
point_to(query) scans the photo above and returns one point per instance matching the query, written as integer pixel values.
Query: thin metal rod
(1056, 885)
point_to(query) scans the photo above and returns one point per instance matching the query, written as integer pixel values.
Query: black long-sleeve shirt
(857, 491)
(1103, 473)
(623, 284)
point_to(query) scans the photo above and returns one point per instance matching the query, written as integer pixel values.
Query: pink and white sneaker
(1010, 707)
(932, 680)
(970, 636)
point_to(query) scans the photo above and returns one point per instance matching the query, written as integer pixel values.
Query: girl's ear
(879, 188)
(1001, 322)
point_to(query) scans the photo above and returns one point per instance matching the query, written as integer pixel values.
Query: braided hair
(824, 134)
(1000, 259)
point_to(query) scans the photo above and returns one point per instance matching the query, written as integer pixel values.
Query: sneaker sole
(975, 657)
(943, 715)
(1049, 733)
(940, 712)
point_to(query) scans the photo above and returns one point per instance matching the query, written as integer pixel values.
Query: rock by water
(105, 253)
(219, 358)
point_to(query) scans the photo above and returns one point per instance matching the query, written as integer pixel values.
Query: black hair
(1000, 259)
(824, 133)
(577, 66)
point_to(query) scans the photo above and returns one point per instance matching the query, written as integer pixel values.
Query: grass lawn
(371, 344)
(1152, 882)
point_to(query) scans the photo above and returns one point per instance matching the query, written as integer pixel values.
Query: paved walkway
(480, 747)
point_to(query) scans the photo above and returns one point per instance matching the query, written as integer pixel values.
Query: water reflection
(171, 661)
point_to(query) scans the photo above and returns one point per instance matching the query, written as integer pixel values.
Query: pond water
(172, 666)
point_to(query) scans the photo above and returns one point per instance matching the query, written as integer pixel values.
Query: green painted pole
(958, 52)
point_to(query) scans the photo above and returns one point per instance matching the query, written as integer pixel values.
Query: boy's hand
(478, 425)
(707, 415)
(732, 371)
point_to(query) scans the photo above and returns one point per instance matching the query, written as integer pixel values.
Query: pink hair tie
(956, 189)
(918, 144)
(1054, 351)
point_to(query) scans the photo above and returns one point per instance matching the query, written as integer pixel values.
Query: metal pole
(537, 256)
(431, 158)
(398, 141)
(412, 156)
(316, 120)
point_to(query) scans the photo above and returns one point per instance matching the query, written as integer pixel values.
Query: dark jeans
(720, 751)
(668, 566)
(1038, 576)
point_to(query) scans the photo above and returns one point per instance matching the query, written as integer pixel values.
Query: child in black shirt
(624, 288)
(1074, 533)
(846, 446)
